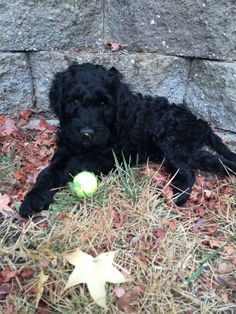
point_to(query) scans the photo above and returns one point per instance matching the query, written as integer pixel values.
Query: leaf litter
(181, 259)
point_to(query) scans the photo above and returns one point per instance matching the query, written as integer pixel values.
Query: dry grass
(165, 252)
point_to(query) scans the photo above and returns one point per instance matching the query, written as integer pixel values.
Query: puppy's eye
(102, 103)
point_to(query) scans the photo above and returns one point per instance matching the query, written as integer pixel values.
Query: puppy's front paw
(181, 198)
(33, 203)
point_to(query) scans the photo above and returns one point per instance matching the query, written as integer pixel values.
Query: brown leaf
(200, 211)
(24, 116)
(26, 273)
(115, 46)
(7, 274)
(160, 234)
(225, 268)
(229, 249)
(7, 125)
(20, 175)
(215, 244)
(4, 201)
(123, 302)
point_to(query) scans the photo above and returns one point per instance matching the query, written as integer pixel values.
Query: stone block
(193, 28)
(147, 73)
(211, 92)
(16, 91)
(51, 24)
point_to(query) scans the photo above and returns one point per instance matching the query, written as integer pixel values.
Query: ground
(180, 259)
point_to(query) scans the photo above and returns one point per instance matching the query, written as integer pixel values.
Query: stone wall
(185, 50)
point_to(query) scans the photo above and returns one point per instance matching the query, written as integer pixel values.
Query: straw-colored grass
(168, 256)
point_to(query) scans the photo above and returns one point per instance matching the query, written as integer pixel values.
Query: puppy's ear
(55, 94)
(114, 80)
(113, 72)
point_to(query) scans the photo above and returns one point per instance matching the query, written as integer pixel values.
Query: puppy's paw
(33, 203)
(181, 198)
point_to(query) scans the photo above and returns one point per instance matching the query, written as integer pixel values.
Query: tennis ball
(84, 184)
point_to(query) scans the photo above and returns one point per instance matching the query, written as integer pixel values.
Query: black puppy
(99, 116)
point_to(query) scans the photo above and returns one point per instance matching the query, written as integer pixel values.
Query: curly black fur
(100, 115)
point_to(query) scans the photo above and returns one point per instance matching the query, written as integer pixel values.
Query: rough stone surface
(211, 92)
(16, 84)
(50, 24)
(195, 28)
(170, 45)
(147, 73)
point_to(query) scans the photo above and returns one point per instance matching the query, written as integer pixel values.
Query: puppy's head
(84, 97)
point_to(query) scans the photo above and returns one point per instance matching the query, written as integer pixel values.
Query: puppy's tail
(216, 143)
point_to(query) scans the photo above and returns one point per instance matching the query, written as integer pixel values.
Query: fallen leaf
(229, 249)
(115, 46)
(26, 273)
(7, 274)
(40, 287)
(7, 125)
(4, 201)
(225, 268)
(215, 244)
(123, 302)
(20, 175)
(160, 234)
(24, 116)
(95, 272)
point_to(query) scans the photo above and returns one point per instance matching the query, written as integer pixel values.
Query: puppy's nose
(87, 132)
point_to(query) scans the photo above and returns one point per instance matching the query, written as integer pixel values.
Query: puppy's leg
(183, 180)
(205, 160)
(41, 195)
(178, 161)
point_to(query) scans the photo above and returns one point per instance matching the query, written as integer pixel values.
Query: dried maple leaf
(7, 125)
(115, 46)
(95, 272)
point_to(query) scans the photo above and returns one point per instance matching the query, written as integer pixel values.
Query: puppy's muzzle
(87, 133)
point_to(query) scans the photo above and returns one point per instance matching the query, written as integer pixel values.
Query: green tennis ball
(84, 184)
